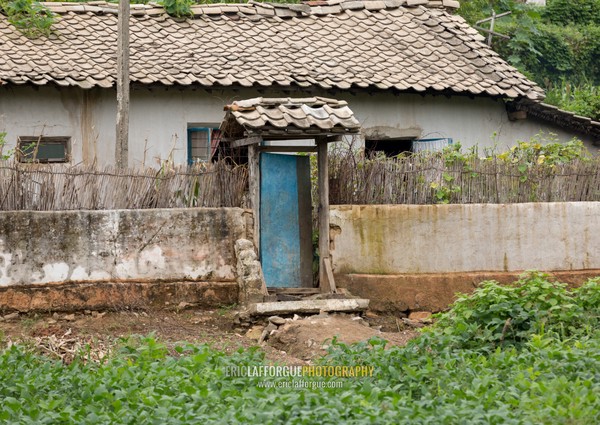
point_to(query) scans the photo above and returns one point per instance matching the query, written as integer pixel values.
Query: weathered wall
(435, 250)
(159, 118)
(120, 246)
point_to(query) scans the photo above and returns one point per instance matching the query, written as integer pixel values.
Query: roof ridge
(252, 7)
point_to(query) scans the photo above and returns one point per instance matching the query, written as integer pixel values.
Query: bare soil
(297, 341)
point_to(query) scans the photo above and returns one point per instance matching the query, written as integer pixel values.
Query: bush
(499, 315)
(578, 12)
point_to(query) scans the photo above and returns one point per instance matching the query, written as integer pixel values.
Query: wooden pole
(254, 189)
(122, 139)
(325, 279)
(492, 23)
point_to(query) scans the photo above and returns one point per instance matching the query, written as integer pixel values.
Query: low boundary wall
(416, 257)
(83, 259)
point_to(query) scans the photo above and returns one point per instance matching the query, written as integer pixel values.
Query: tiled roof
(553, 114)
(408, 45)
(288, 117)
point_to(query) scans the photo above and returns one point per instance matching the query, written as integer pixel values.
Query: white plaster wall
(159, 118)
(396, 239)
(479, 121)
(194, 244)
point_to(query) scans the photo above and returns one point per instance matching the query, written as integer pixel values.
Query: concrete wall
(409, 257)
(160, 117)
(120, 246)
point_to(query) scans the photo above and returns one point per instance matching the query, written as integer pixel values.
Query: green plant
(546, 370)
(4, 155)
(225, 309)
(583, 99)
(30, 17)
(544, 150)
(566, 12)
(177, 8)
(498, 315)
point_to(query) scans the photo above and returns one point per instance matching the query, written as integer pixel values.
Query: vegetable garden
(514, 354)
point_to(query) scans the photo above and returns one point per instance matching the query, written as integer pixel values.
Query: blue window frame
(200, 141)
(435, 144)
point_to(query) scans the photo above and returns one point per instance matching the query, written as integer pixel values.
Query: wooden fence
(418, 179)
(430, 179)
(41, 187)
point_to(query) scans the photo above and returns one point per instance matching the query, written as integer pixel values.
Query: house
(416, 75)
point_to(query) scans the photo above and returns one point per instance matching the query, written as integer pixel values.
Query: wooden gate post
(254, 189)
(326, 282)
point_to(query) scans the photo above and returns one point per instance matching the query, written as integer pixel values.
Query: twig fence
(40, 187)
(430, 179)
(418, 179)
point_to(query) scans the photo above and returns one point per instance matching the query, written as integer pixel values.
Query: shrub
(499, 315)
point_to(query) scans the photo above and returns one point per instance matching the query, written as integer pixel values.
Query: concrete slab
(307, 306)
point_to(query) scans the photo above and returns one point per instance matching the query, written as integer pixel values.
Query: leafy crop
(544, 369)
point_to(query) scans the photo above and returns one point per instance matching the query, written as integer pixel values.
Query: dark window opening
(43, 149)
(391, 148)
(388, 147)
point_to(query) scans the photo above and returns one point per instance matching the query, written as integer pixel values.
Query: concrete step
(307, 306)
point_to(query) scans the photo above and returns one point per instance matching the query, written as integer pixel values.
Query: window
(432, 145)
(202, 143)
(389, 148)
(394, 147)
(43, 149)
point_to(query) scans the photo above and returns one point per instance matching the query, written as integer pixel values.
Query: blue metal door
(285, 220)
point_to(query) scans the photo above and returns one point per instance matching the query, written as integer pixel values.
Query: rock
(250, 276)
(11, 316)
(69, 317)
(296, 317)
(420, 316)
(276, 320)
(413, 323)
(183, 305)
(51, 321)
(255, 332)
(271, 327)
(263, 336)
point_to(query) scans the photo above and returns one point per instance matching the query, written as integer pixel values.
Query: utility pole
(122, 140)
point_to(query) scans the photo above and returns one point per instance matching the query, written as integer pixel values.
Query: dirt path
(297, 340)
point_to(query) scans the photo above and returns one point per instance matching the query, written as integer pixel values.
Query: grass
(470, 367)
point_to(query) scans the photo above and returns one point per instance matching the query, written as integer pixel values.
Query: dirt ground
(292, 340)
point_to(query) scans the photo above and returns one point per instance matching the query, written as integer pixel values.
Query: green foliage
(30, 17)
(579, 12)
(177, 8)
(581, 99)
(5, 155)
(557, 46)
(541, 151)
(545, 368)
(538, 156)
(510, 314)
